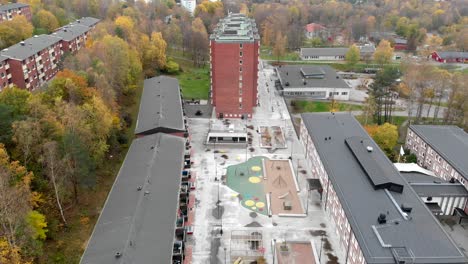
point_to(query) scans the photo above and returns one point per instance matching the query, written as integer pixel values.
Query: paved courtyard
(218, 208)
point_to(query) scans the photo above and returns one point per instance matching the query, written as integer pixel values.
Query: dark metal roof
(367, 157)
(418, 233)
(7, 7)
(294, 75)
(71, 31)
(31, 46)
(430, 186)
(450, 142)
(160, 106)
(140, 224)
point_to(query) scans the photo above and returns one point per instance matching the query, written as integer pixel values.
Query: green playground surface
(247, 179)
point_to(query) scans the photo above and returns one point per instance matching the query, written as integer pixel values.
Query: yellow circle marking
(254, 179)
(256, 168)
(249, 203)
(260, 204)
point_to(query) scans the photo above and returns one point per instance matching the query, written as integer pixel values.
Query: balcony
(7, 66)
(9, 76)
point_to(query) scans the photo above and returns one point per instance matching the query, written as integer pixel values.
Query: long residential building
(9, 11)
(442, 150)
(138, 221)
(32, 62)
(234, 51)
(377, 215)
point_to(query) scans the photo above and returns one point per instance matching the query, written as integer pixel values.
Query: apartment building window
(240, 62)
(240, 46)
(240, 69)
(3, 74)
(240, 54)
(240, 106)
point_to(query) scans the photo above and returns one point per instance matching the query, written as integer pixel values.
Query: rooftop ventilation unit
(406, 208)
(22, 43)
(370, 149)
(382, 219)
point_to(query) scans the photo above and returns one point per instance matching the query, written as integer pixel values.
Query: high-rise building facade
(234, 50)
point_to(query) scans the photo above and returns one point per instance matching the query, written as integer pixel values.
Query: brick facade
(429, 159)
(331, 203)
(234, 75)
(5, 74)
(35, 70)
(9, 11)
(34, 61)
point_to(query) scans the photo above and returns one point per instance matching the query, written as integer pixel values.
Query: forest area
(61, 146)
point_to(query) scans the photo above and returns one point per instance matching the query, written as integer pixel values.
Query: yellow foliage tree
(15, 30)
(383, 53)
(126, 24)
(45, 20)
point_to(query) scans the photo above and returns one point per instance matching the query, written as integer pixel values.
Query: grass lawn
(195, 83)
(301, 106)
(396, 120)
(267, 54)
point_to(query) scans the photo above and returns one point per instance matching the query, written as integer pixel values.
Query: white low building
(312, 81)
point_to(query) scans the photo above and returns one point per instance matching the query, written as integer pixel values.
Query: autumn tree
(16, 228)
(383, 53)
(46, 21)
(199, 42)
(15, 30)
(54, 170)
(124, 26)
(386, 136)
(352, 56)
(153, 53)
(279, 49)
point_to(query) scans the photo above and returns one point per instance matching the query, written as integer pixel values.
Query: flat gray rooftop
(7, 7)
(324, 51)
(292, 76)
(452, 54)
(31, 46)
(71, 31)
(450, 142)
(419, 234)
(87, 21)
(160, 106)
(235, 28)
(430, 186)
(141, 224)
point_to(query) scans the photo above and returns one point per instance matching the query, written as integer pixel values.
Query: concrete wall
(429, 159)
(234, 76)
(331, 203)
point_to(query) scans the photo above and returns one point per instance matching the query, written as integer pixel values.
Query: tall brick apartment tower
(234, 50)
